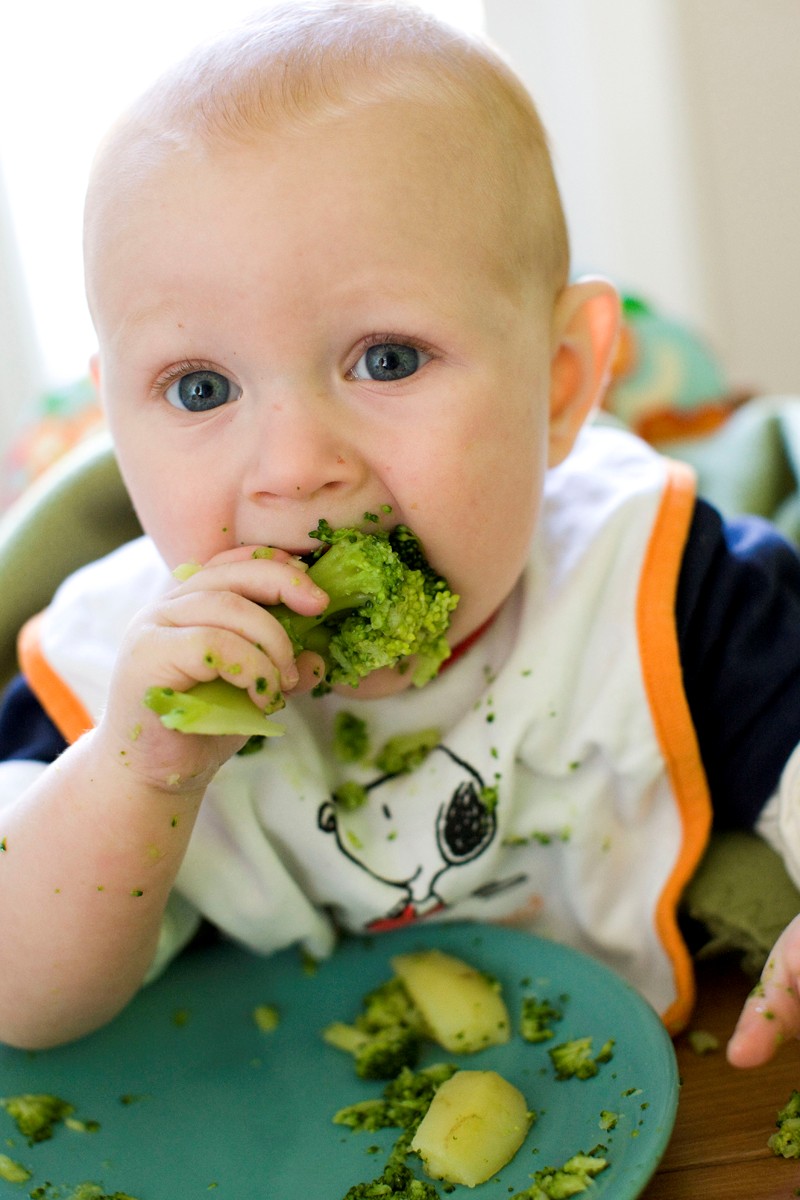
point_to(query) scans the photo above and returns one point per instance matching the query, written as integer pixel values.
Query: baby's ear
(585, 329)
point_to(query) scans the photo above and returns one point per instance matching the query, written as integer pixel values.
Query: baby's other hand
(771, 1013)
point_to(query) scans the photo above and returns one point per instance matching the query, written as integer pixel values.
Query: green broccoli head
(387, 605)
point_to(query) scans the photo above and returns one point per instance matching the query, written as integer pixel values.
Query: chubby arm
(771, 1014)
(92, 848)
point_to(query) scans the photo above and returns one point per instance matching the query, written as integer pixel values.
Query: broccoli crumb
(78, 1126)
(405, 1101)
(572, 1178)
(785, 1143)
(13, 1172)
(407, 751)
(36, 1114)
(350, 795)
(537, 1018)
(703, 1042)
(608, 1120)
(350, 737)
(185, 571)
(396, 1183)
(574, 1059)
(266, 1017)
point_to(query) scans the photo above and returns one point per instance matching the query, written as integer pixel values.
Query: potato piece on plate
(463, 1009)
(476, 1123)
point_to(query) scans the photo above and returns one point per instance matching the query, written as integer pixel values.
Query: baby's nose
(301, 450)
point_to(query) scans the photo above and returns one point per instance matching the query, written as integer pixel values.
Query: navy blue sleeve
(26, 732)
(738, 620)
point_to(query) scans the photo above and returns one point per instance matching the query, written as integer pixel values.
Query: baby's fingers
(276, 579)
(770, 1016)
(225, 634)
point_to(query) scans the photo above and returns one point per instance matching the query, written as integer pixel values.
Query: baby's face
(321, 325)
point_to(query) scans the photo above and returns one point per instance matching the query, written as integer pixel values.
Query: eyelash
(162, 384)
(397, 339)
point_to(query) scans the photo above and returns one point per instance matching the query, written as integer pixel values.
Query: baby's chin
(387, 681)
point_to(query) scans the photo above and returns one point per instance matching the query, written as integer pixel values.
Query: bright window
(68, 69)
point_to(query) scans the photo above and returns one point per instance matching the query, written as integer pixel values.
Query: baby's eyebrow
(149, 314)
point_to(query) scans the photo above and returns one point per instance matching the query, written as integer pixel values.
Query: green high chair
(76, 511)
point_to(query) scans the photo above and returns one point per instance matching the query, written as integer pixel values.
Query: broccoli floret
(396, 1183)
(404, 1103)
(786, 1142)
(571, 1179)
(575, 1060)
(537, 1016)
(378, 1054)
(390, 1004)
(385, 1036)
(36, 1114)
(386, 605)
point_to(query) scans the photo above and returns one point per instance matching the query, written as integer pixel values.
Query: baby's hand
(212, 625)
(772, 1011)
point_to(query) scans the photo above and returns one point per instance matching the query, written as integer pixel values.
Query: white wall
(603, 74)
(23, 375)
(741, 64)
(676, 128)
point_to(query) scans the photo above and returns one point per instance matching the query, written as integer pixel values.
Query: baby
(328, 269)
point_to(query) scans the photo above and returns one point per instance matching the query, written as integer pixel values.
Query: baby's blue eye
(199, 391)
(389, 361)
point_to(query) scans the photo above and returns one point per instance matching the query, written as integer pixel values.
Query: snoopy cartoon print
(400, 838)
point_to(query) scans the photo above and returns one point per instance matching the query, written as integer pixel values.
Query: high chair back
(77, 511)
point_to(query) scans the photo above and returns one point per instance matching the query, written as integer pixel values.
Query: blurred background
(675, 126)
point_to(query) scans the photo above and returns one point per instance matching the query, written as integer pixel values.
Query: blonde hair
(303, 62)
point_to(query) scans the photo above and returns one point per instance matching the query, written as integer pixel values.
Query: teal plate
(193, 1100)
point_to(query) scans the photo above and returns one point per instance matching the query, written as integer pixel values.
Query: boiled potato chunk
(463, 1009)
(476, 1123)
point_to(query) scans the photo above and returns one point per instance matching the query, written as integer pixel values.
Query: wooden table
(718, 1149)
